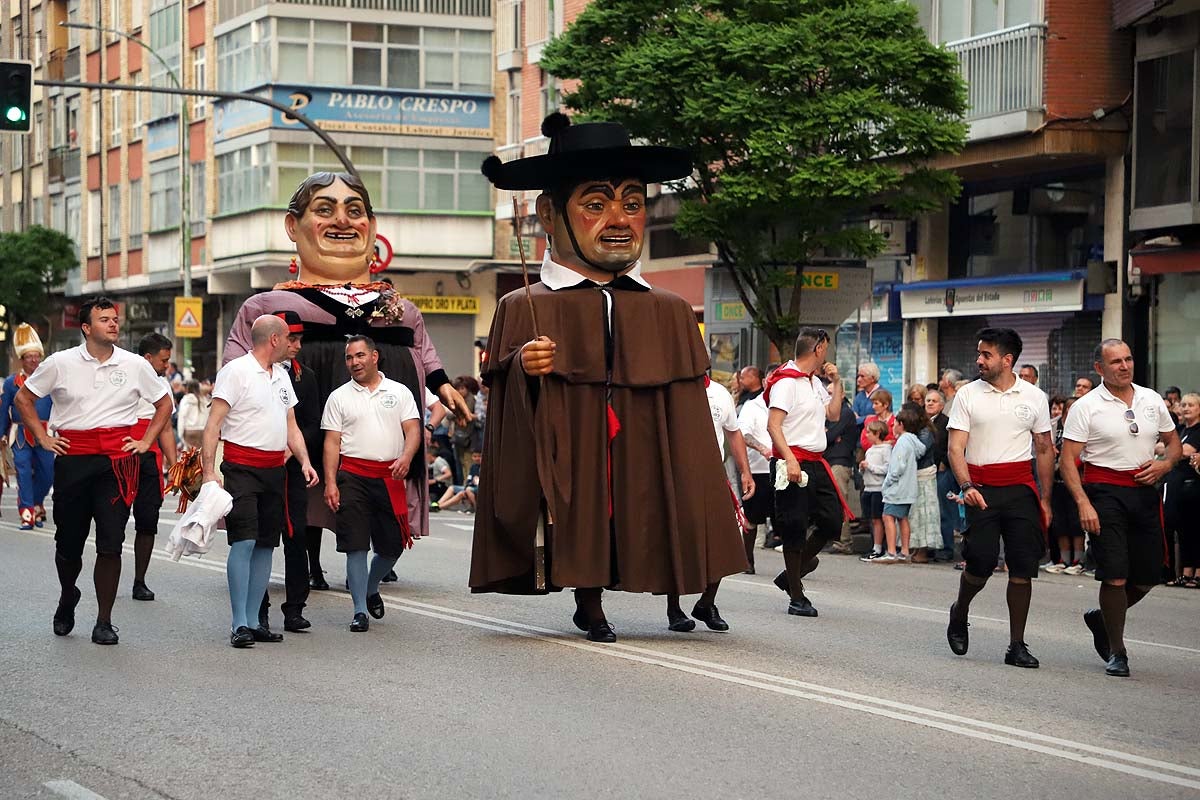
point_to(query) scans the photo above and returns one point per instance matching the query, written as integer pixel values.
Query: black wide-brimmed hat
(292, 319)
(590, 150)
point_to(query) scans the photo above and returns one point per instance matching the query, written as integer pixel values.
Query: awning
(1163, 260)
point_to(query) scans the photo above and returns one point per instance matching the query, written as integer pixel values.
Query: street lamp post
(185, 196)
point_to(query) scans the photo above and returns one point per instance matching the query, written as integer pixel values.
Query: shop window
(1163, 160)
(1174, 340)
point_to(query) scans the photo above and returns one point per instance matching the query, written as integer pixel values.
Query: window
(94, 128)
(37, 219)
(114, 18)
(18, 151)
(164, 195)
(93, 241)
(39, 35)
(243, 180)
(199, 81)
(18, 41)
(1163, 131)
(136, 12)
(39, 132)
(18, 220)
(244, 57)
(114, 219)
(116, 120)
(139, 106)
(549, 95)
(165, 39)
(58, 213)
(199, 211)
(513, 112)
(72, 16)
(57, 122)
(135, 214)
(951, 20)
(73, 122)
(74, 227)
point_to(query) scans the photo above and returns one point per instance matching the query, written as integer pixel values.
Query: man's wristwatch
(428, 427)
(965, 487)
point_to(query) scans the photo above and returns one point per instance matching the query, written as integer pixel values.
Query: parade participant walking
(752, 422)
(34, 464)
(799, 407)
(725, 424)
(599, 465)
(995, 423)
(96, 388)
(372, 433)
(156, 349)
(1114, 429)
(253, 413)
(296, 530)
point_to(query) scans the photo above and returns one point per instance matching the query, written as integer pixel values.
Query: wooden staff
(525, 267)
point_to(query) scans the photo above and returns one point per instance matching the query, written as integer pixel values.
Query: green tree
(800, 115)
(31, 262)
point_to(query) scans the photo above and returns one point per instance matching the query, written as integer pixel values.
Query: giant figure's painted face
(335, 237)
(603, 227)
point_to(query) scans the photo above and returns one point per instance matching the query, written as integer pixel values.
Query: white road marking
(945, 612)
(72, 790)
(1066, 749)
(462, 526)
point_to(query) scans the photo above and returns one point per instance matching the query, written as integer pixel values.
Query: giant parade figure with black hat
(600, 469)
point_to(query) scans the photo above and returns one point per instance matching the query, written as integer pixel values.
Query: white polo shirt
(146, 408)
(370, 420)
(804, 400)
(89, 394)
(1098, 421)
(1001, 424)
(752, 422)
(258, 403)
(720, 405)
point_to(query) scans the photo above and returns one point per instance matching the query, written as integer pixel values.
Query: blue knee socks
(260, 576)
(237, 572)
(356, 578)
(380, 566)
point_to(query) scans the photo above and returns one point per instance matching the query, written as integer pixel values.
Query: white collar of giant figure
(555, 276)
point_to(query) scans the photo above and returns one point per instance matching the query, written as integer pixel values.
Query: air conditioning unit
(896, 233)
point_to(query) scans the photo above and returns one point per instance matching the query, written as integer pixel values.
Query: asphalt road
(454, 695)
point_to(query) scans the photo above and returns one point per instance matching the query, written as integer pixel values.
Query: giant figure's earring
(294, 268)
(376, 265)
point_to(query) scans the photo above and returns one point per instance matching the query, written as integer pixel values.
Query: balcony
(508, 35)
(1003, 72)
(543, 21)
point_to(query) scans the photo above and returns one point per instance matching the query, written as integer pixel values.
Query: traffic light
(16, 91)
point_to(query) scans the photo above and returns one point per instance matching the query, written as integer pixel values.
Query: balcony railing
(1003, 70)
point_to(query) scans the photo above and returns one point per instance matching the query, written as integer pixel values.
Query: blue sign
(162, 137)
(887, 351)
(362, 111)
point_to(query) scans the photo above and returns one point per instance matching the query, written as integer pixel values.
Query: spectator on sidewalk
(1029, 374)
(866, 380)
(881, 403)
(841, 438)
(925, 518)
(916, 394)
(1181, 496)
(1083, 385)
(900, 488)
(948, 509)
(948, 386)
(874, 467)
(440, 478)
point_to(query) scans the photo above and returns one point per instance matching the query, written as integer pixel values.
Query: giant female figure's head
(333, 225)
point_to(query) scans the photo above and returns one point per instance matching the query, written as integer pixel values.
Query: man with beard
(34, 464)
(994, 424)
(1114, 429)
(156, 349)
(600, 469)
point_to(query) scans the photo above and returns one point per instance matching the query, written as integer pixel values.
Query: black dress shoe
(802, 607)
(1018, 655)
(710, 617)
(104, 633)
(601, 632)
(265, 634)
(360, 623)
(681, 623)
(957, 634)
(242, 637)
(748, 571)
(390, 577)
(317, 580)
(1118, 665)
(375, 605)
(141, 591)
(295, 623)
(64, 615)
(1094, 619)
(781, 580)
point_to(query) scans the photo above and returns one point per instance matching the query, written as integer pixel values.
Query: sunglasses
(1129, 417)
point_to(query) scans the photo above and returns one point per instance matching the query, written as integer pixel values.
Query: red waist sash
(138, 431)
(397, 491)
(1113, 477)
(108, 442)
(1012, 473)
(253, 457)
(803, 456)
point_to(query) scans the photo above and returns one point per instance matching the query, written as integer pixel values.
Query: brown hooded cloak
(672, 526)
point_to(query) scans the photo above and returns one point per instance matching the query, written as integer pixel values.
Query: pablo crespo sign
(356, 110)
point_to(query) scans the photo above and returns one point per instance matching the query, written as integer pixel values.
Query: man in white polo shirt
(799, 405)
(372, 431)
(96, 389)
(252, 412)
(995, 422)
(1114, 429)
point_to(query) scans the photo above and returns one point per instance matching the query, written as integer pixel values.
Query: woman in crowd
(881, 401)
(916, 395)
(466, 436)
(925, 518)
(1181, 496)
(193, 413)
(1066, 532)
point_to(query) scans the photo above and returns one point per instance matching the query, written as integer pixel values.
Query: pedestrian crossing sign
(189, 317)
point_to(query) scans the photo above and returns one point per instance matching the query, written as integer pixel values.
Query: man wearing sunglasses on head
(1113, 429)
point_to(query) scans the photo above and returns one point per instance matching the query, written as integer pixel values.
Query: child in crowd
(874, 467)
(440, 476)
(900, 486)
(465, 493)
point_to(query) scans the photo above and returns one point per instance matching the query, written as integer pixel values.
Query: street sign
(189, 317)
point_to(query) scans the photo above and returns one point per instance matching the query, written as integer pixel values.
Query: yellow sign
(819, 280)
(189, 317)
(453, 304)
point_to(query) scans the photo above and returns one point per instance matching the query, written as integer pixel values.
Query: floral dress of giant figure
(333, 225)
